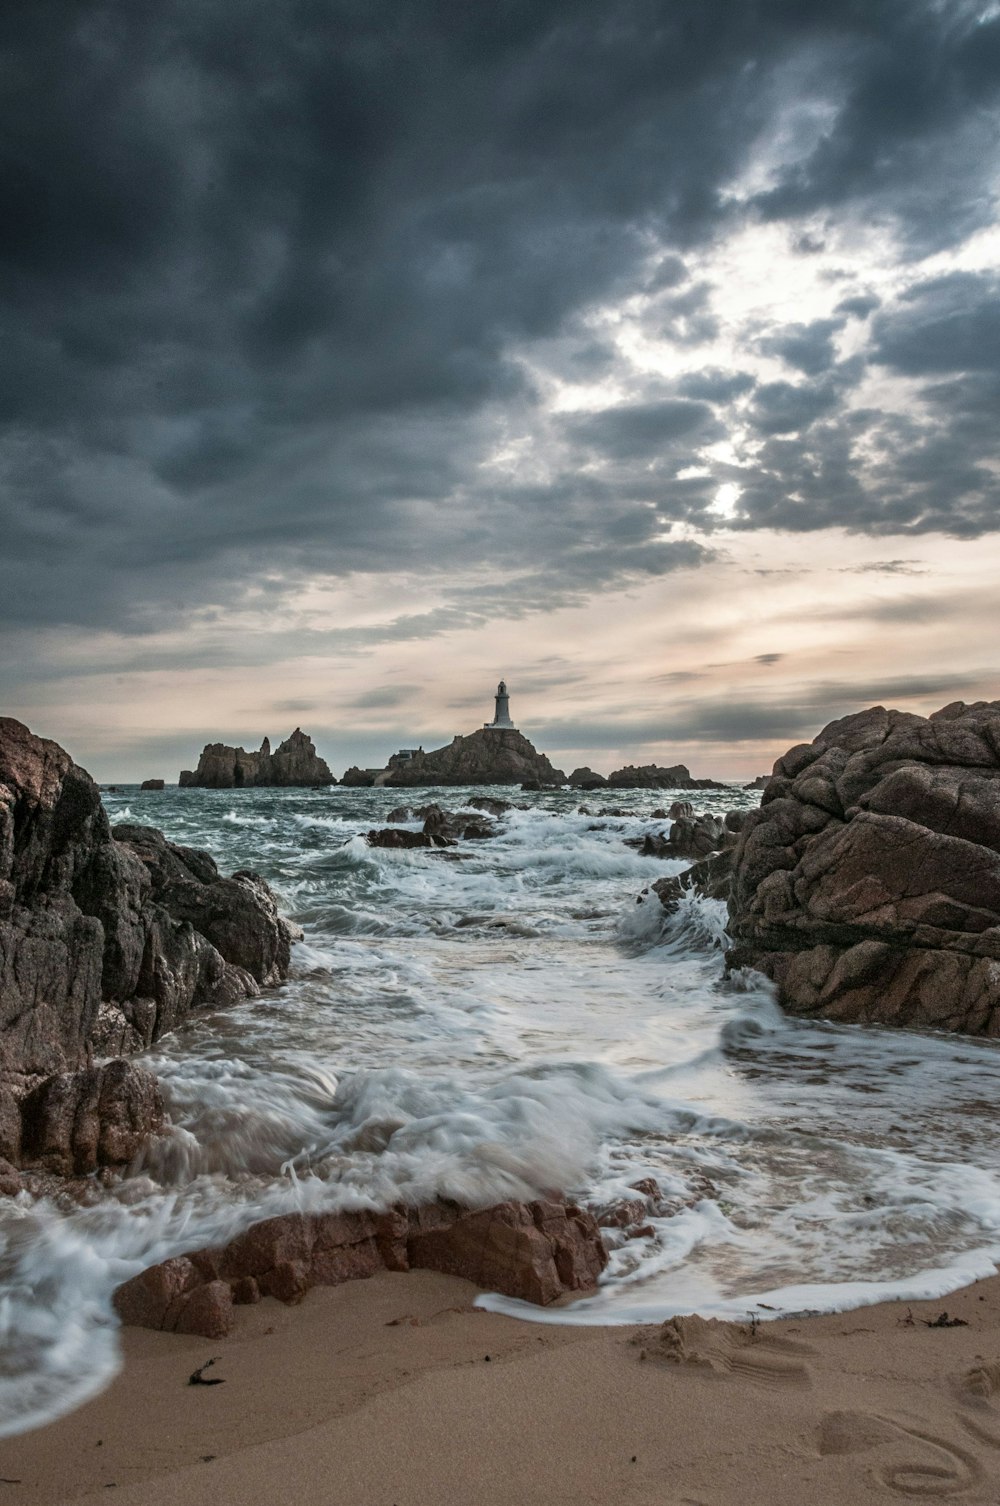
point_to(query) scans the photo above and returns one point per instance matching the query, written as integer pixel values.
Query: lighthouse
(501, 716)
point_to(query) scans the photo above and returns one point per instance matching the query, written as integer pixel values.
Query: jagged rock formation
(152, 784)
(489, 756)
(868, 883)
(295, 765)
(107, 940)
(650, 776)
(536, 1251)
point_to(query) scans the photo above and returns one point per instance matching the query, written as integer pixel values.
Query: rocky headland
(108, 939)
(488, 756)
(867, 886)
(293, 765)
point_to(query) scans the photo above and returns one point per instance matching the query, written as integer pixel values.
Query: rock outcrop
(586, 779)
(868, 883)
(489, 756)
(107, 940)
(359, 779)
(294, 765)
(152, 784)
(536, 1251)
(441, 828)
(650, 776)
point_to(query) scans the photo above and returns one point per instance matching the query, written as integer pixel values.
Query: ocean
(497, 1020)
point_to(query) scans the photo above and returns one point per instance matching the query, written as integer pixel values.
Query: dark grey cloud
(784, 407)
(944, 324)
(808, 347)
(859, 305)
(768, 658)
(640, 430)
(272, 277)
(714, 386)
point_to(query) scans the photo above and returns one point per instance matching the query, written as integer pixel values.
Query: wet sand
(397, 1392)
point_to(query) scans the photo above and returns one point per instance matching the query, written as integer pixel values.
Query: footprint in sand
(935, 1466)
(731, 1349)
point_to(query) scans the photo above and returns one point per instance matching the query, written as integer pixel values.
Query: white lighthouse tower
(501, 716)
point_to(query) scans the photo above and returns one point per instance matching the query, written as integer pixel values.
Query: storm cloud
(274, 277)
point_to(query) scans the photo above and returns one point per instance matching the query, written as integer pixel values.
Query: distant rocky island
(294, 765)
(496, 753)
(489, 756)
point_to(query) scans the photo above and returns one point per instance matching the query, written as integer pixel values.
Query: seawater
(497, 1020)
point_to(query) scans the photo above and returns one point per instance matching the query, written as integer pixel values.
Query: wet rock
(106, 942)
(75, 1122)
(868, 883)
(238, 915)
(490, 806)
(391, 837)
(688, 837)
(537, 1251)
(175, 1297)
(712, 878)
(293, 765)
(152, 784)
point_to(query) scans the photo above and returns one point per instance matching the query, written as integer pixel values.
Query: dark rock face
(711, 877)
(651, 777)
(152, 784)
(106, 942)
(295, 765)
(537, 1251)
(586, 779)
(358, 779)
(868, 884)
(75, 1122)
(484, 757)
(441, 828)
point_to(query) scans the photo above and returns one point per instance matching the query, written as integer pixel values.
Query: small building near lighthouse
(501, 716)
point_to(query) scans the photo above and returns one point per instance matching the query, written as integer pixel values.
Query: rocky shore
(111, 937)
(868, 884)
(108, 939)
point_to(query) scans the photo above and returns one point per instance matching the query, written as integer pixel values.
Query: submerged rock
(868, 883)
(294, 765)
(536, 1251)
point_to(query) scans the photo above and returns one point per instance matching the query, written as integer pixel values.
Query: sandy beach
(398, 1392)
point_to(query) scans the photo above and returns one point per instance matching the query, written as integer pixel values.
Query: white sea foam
(499, 1019)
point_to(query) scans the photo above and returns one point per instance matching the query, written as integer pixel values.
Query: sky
(354, 355)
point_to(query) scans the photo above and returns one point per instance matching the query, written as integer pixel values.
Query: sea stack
(295, 765)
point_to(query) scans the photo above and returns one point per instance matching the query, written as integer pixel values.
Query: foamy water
(495, 1021)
